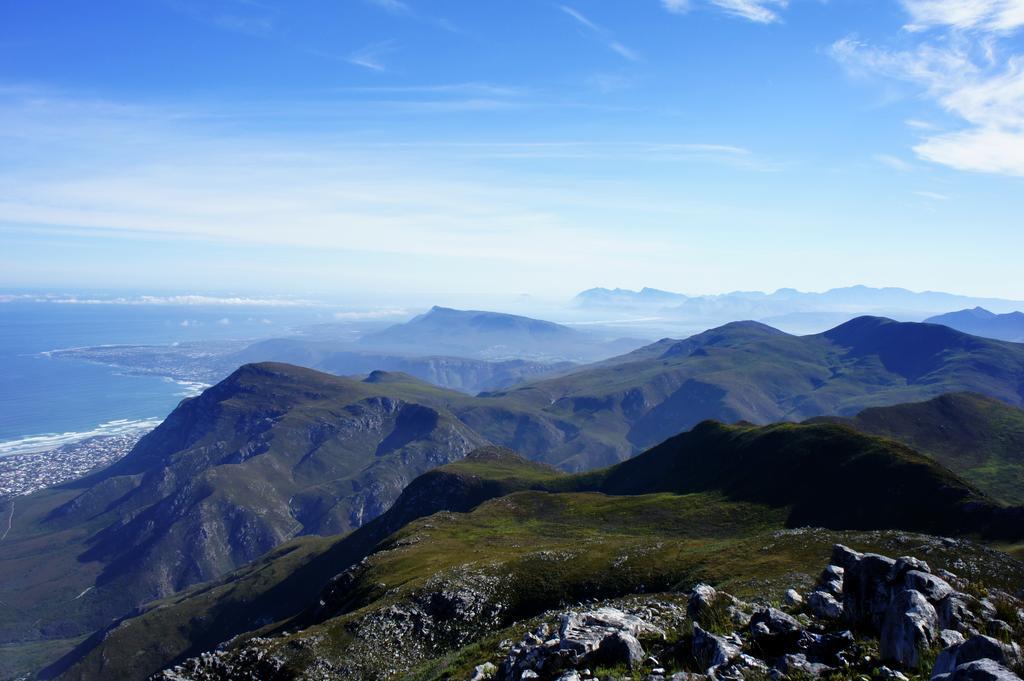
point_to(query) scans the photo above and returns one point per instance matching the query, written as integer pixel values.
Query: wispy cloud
(893, 162)
(934, 196)
(606, 36)
(372, 56)
(987, 15)
(759, 11)
(187, 299)
(393, 6)
(162, 176)
(969, 69)
(578, 16)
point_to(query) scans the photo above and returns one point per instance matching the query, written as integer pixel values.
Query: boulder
(583, 633)
(999, 629)
(710, 650)
(956, 611)
(701, 598)
(824, 605)
(831, 580)
(620, 648)
(827, 647)
(793, 599)
(910, 625)
(904, 565)
(982, 670)
(891, 674)
(798, 662)
(931, 587)
(844, 556)
(866, 590)
(704, 599)
(483, 671)
(949, 637)
(973, 649)
(773, 631)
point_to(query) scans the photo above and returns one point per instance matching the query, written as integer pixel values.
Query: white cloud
(934, 196)
(579, 17)
(988, 15)
(893, 162)
(393, 6)
(676, 6)
(188, 299)
(618, 47)
(382, 313)
(606, 35)
(371, 56)
(965, 71)
(759, 11)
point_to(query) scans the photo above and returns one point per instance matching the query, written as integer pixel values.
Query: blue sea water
(49, 401)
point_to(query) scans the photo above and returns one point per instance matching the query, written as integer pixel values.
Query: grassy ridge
(677, 513)
(980, 438)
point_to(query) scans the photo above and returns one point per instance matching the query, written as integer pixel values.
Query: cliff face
(271, 453)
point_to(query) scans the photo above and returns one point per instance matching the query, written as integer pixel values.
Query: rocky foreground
(870, 616)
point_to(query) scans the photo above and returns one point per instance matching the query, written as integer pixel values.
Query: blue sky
(460, 150)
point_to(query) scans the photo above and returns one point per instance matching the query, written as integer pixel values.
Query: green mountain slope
(281, 583)
(751, 372)
(275, 452)
(689, 507)
(270, 453)
(980, 438)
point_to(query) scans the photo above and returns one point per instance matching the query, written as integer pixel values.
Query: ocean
(46, 402)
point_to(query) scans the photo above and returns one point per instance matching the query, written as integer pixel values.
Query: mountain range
(795, 311)
(980, 322)
(474, 546)
(275, 452)
(493, 336)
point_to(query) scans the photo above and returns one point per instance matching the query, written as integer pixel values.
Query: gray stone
(824, 605)
(621, 648)
(834, 587)
(774, 631)
(866, 591)
(931, 587)
(891, 674)
(582, 633)
(983, 670)
(975, 648)
(483, 671)
(844, 556)
(998, 629)
(950, 637)
(571, 675)
(701, 598)
(712, 651)
(793, 598)
(911, 624)
(956, 611)
(799, 663)
(905, 564)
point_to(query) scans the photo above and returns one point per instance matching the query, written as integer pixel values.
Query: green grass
(542, 551)
(979, 438)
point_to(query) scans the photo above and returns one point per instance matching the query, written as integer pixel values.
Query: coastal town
(26, 473)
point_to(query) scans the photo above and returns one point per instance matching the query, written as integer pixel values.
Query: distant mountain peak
(979, 321)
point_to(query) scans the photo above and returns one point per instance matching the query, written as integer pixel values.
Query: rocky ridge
(869, 617)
